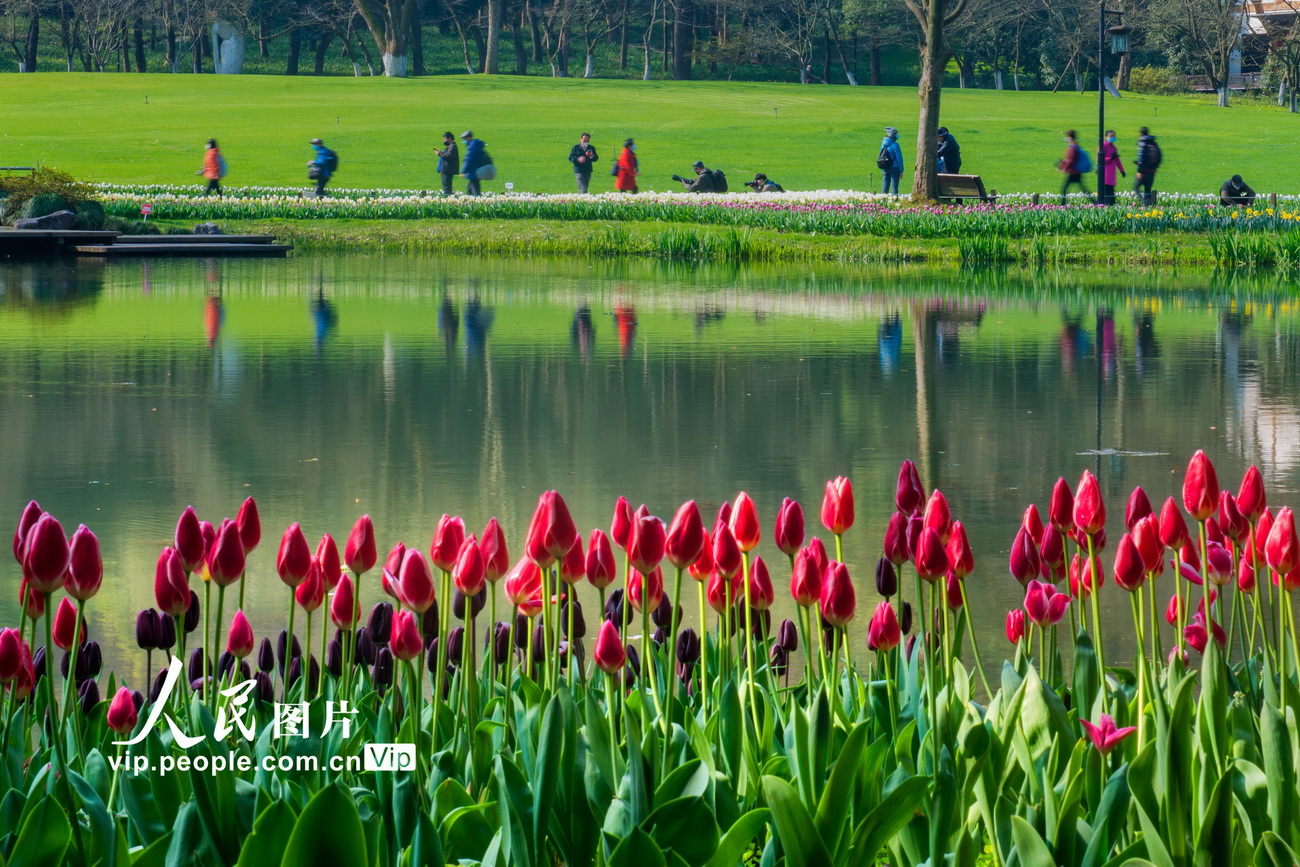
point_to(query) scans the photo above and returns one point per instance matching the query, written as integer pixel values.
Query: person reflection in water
(1145, 346)
(891, 342)
(324, 318)
(478, 322)
(1075, 342)
(1110, 343)
(625, 319)
(583, 332)
(213, 315)
(448, 325)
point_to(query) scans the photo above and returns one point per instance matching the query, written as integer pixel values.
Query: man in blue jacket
(321, 168)
(890, 161)
(475, 159)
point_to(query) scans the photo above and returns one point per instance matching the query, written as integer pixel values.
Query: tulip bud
(896, 541)
(1282, 550)
(744, 522)
(1015, 625)
(552, 532)
(1200, 487)
(344, 611)
(46, 555)
(469, 571)
(31, 514)
(909, 495)
(380, 623)
(264, 689)
(1232, 521)
(614, 607)
(294, 559)
(38, 662)
(806, 579)
(240, 641)
(359, 552)
(1129, 569)
(883, 633)
(65, 625)
(1060, 510)
(415, 581)
(931, 558)
(761, 592)
(383, 672)
(310, 594)
(225, 664)
(195, 669)
(448, 537)
(90, 661)
(1173, 529)
(886, 578)
(600, 567)
(726, 552)
(646, 545)
(523, 629)
(122, 712)
(1032, 522)
(496, 557)
(88, 692)
(688, 648)
(1146, 536)
(837, 506)
(1218, 564)
(1089, 508)
(458, 604)
(609, 656)
(787, 636)
(327, 559)
(961, 559)
(1138, 508)
(193, 613)
(11, 655)
(500, 643)
(938, 517)
(250, 525)
(366, 650)
(33, 602)
(226, 561)
(778, 660)
(905, 620)
(579, 622)
(1245, 576)
(189, 540)
(86, 566)
(686, 537)
(1250, 496)
(283, 646)
(455, 647)
(166, 632)
(838, 598)
(645, 590)
(429, 623)
(334, 659)
(405, 642)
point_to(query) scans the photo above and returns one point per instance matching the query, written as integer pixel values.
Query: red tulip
(122, 715)
(344, 611)
(938, 517)
(209, 539)
(415, 582)
(1197, 635)
(573, 566)
(839, 601)
(789, 530)
(170, 589)
(961, 560)
(293, 561)
(240, 641)
(1138, 508)
(31, 514)
(1245, 576)
(896, 547)
(761, 592)
(1015, 625)
(11, 654)
(311, 592)
(620, 528)
(1173, 529)
(523, 585)
(600, 567)
(716, 593)
(405, 641)
(744, 522)
(952, 592)
(1146, 536)
(1288, 581)
(931, 559)
(609, 655)
(1033, 522)
(1082, 581)
(909, 496)
(226, 560)
(1051, 555)
(552, 532)
(726, 553)
(647, 589)
(1189, 564)
(189, 540)
(1171, 611)
(360, 553)
(1089, 509)
(1200, 487)
(819, 554)
(686, 535)
(1129, 569)
(1232, 522)
(448, 537)
(250, 525)
(496, 557)
(86, 566)
(33, 603)
(702, 568)
(837, 508)
(645, 548)
(1060, 510)
(883, 633)
(1250, 496)
(25, 682)
(1263, 527)
(65, 625)
(469, 571)
(1218, 564)
(806, 579)
(327, 558)
(1044, 605)
(1282, 550)
(47, 555)
(392, 566)
(1106, 736)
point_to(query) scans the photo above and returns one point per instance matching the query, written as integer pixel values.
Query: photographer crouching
(706, 180)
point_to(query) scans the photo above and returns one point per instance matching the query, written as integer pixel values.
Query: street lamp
(1118, 46)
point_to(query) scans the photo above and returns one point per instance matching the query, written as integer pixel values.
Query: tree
(1202, 33)
(933, 16)
(389, 22)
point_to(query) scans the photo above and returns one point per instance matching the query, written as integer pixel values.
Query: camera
(679, 178)
(754, 184)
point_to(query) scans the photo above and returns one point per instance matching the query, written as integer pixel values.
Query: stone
(59, 220)
(208, 229)
(227, 48)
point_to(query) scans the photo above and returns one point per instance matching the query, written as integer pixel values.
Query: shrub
(1160, 80)
(41, 204)
(90, 216)
(68, 189)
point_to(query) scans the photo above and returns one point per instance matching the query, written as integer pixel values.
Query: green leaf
(270, 836)
(546, 773)
(1275, 746)
(1273, 851)
(638, 849)
(1030, 848)
(328, 832)
(887, 819)
(44, 837)
(833, 810)
(799, 838)
(1214, 842)
(739, 837)
(102, 829)
(687, 827)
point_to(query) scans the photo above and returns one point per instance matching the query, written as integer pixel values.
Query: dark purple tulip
(429, 622)
(225, 664)
(156, 689)
(245, 672)
(688, 648)
(265, 690)
(195, 669)
(523, 628)
(633, 671)
(614, 608)
(295, 672)
(146, 629)
(762, 622)
(787, 636)
(579, 653)
(886, 578)
(905, 622)
(280, 647)
(455, 645)
(365, 646)
(663, 613)
(64, 657)
(137, 699)
(458, 604)
(88, 692)
(166, 632)
(334, 658)
(38, 663)
(380, 625)
(501, 643)
(660, 636)
(779, 660)
(192, 613)
(265, 656)
(539, 644)
(383, 673)
(90, 661)
(579, 622)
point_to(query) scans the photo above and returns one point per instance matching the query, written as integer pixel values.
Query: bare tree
(933, 16)
(1202, 33)
(389, 22)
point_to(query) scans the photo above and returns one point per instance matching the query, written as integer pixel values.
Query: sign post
(145, 210)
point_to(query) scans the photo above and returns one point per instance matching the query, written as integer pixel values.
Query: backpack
(719, 181)
(331, 161)
(1082, 162)
(1153, 154)
(221, 166)
(886, 160)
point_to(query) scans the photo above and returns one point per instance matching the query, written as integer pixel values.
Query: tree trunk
(849, 72)
(826, 54)
(417, 41)
(521, 53)
(934, 57)
(169, 34)
(663, 41)
(295, 48)
(196, 61)
(589, 71)
(481, 44)
(141, 64)
(563, 58)
(622, 38)
(495, 15)
(875, 61)
(538, 54)
(1125, 67)
(681, 42)
(33, 36)
(322, 47)
(262, 40)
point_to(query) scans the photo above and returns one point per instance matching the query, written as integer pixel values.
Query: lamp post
(1118, 46)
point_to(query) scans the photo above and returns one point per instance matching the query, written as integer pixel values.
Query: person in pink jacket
(1111, 163)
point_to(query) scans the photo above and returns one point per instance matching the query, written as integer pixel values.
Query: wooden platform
(47, 242)
(181, 249)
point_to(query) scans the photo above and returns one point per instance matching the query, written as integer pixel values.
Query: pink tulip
(448, 536)
(86, 565)
(883, 633)
(360, 553)
(415, 582)
(1044, 605)
(240, 641)
(496, 556)
(122, 715)
(189, 540)
(1106, 737)
(837, 507)
(789, 530)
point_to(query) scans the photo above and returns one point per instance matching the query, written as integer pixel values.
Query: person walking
(214, 168)
(1111, 163)
(448, 161)
(890, 161)
(1074, 165)
(948, 153)
(582, 155)
(476, 161)
(627, 169)
(1148, 160)
(322, 166)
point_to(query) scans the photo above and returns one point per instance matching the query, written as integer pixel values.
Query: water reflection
(120, 411)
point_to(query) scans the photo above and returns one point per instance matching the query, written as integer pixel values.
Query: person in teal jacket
(894, 170)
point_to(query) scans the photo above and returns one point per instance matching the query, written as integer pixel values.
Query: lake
(406, 387)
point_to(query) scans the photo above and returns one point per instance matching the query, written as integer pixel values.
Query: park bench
(960, 187)
(6, 171)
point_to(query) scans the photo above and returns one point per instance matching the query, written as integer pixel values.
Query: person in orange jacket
(214, 168)
(626, 170)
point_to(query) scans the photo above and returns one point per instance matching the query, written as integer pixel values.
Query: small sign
(509, 186)
(146, 209)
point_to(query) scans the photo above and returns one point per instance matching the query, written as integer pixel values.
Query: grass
(150, 129)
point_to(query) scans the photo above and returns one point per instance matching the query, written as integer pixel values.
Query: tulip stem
(1205, 582)
(72, 657)
(1157, 649)
(492, 634)
(287, 662)
(117, 770)
(749, 641)
(704, 652)
(306, 664)
(1094, 569)
(467, 664)
(808, 668)
(974, 642)
(207, 633)
(216, 636)
(49, 676)
(241, 588)
(1135, 600)
(572, 656)
(444, 615)
(647, 668)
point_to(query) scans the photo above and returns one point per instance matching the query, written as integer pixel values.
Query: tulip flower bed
(553, 709)
(833, 212)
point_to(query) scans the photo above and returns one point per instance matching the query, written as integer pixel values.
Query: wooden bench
(958, 187)
(5, 171)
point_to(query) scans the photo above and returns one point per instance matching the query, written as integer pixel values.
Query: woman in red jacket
(627, 168)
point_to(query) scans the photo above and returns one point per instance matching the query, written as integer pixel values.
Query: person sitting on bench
(1236, 193)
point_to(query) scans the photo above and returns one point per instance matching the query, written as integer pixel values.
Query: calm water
(407, 387)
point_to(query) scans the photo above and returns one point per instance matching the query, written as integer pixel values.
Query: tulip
(1089, 509)
(240, 641)
(327, 557)
(620, 528)
(392, 566)
(11, 654)
(909, 496)
(1173, 529)
(523, 586)
(1139, 507)
(344, 610)
(789, 530)
(46, 555)
(250, 525)
(171, 590)
(293, 560)
(1289, 581)
(1197, 634)
(886, 578)
(1263, 527)
(806, 578)
(226, 561)
(469, 572)
(31, 514)
(688, 650)
(1033, 522)
(122, 713)
(838, 599)
(1044, 605)
(189, 540)
(1282, 550)
(938, 517)
(1129, 570)
(600, 567)
(1081, 577)
(1106, 737)
(761, 592)
(645, 547)
(1146, 536)
(686, 535)
(1250, 496)
(1232, 521)
(932, 559)
(192, 613)
(415, 582)
(1060, 509)
(1245, 576)
(717, 593)
(310, 594)
(209, 534)
(837, 507)
(33, 603)
(726, 552)
(166, 631)
(952, 592)
(448, 537)
(552, 532)
(405, 642)
(25, 680)
(1218, 564)
(744, 522)
(961, 559)
(1015, 625)
(609, 655)
(645, 592)
(1200, 487)
(896, 541)
(86, 566)
(883, 633)
(915, 525)
(360, 553)
(496, 556)
(1051, 555)
(65, 625)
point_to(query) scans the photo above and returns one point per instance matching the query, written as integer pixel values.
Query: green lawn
(151, 128)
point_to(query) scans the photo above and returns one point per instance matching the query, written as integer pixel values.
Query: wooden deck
(74, 242)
